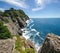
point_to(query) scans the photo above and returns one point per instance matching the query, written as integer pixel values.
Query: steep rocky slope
(7, 45)
(51, 44)
(16, 45)
(14, 20)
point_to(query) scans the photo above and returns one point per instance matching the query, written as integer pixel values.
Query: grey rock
(22, 23)
(51, 44)
(7, 45)
(30, 44)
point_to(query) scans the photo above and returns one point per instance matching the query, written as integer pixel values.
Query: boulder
(51, 44)
(7, 45)
(21, 22)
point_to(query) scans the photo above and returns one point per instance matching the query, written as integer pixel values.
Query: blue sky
(34, 8)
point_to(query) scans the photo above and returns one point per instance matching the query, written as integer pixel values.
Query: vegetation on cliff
(11, 21)
(22, 46)
(13, 13)
(4, 32)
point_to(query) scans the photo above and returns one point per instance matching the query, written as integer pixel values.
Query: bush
(22, 42)
(29, 50)
(1, 13)
(4, 32)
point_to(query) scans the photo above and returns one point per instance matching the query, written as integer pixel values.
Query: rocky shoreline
(18, 44)
(51, 44)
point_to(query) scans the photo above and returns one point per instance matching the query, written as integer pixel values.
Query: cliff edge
(14, 20)
(51, 44)
(11, 40)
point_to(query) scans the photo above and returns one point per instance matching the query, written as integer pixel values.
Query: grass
(22, 42)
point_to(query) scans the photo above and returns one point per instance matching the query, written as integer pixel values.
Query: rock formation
(51, 44)
(30, 44)
(7, 45)
(14, 20)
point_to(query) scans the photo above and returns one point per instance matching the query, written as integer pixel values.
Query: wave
(29, 22)
(34, 30)
(32, 34)
(31, 26)
(25, 35)
(37, 46)
(37, 33)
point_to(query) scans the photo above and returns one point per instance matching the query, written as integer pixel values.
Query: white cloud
(41, 4)
(37, 9)
(2, 9)
(18, 3)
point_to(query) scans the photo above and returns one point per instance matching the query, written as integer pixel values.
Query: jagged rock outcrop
(14, 26)
(7, 45)
(14, 20)
(21, 23)
(51, 44)
(30, 44)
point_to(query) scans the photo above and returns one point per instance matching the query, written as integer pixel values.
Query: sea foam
(31, 32)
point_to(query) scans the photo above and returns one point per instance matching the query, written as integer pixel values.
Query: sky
(34, 8)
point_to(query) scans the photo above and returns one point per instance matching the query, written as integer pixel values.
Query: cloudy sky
(34, 8)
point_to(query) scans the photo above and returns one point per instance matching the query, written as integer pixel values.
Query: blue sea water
(37, 29)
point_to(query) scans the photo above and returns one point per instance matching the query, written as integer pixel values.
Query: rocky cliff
(51, 44)
(14, 20)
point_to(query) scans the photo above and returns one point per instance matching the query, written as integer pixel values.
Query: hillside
(11, 40)
(14, 20)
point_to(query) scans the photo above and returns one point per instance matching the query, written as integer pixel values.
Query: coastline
(24, 32)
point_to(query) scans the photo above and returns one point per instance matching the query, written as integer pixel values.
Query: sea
(38, 28)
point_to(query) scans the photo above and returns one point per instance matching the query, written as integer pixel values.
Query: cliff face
(14, 20)
(15, 26)
(51, 44)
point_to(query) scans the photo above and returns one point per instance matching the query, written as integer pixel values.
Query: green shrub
(14, 13)
(4, 32)
(21, 42)
(29, 50)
